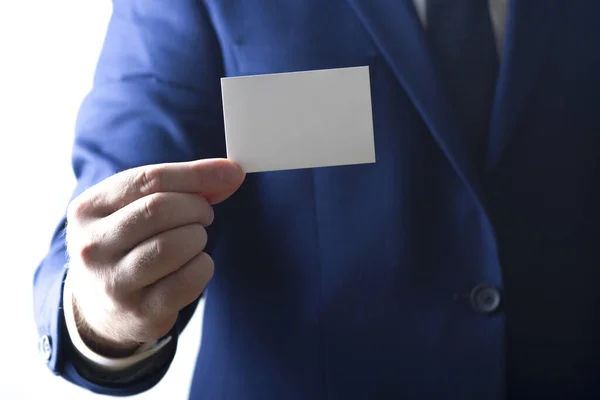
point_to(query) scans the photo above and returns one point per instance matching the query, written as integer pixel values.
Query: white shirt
(498, 14)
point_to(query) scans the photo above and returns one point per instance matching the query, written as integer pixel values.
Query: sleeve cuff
(96, 360)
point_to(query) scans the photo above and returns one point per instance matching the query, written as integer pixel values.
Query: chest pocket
(277, 36)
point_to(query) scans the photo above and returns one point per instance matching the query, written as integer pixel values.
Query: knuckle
(149, 179)
(76, 210)
(154, 205)
(160, 246)
(88, 251)
(87, 244)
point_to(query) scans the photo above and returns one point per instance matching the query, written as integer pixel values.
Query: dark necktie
(462, 40)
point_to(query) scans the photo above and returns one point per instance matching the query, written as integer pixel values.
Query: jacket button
(485, 299)
(45, 347)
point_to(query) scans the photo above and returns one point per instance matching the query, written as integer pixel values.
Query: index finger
(215, 179)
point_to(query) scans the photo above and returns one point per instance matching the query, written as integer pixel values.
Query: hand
(136, 244)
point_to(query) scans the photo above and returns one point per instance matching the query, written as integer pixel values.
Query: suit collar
(398, 34)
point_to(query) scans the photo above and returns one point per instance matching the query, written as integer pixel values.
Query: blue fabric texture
(352, 282)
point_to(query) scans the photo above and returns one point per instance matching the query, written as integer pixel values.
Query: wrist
(117, 359)
(85, 333)
(99, 343)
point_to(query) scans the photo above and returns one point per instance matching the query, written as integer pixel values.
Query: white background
(48, 51)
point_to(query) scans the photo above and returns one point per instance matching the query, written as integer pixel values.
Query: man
(463, 264)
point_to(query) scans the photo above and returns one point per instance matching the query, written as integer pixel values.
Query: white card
(299, 119)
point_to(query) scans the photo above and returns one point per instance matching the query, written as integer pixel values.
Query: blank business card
(299, 120)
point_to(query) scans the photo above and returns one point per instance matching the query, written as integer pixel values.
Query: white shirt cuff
(110, 364)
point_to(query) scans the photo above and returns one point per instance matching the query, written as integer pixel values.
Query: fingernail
(231, 173)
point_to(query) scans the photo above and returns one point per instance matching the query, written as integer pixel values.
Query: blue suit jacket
(352, 282)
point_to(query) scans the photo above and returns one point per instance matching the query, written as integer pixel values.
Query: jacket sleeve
(156, 98)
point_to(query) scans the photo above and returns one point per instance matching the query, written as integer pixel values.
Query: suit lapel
(399, 36)
(529, 28)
